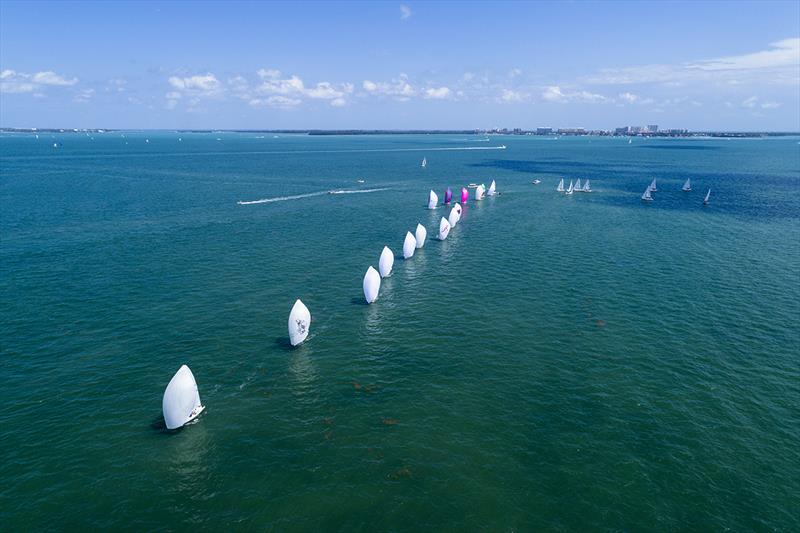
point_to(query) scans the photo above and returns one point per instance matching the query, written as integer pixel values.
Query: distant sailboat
(480, 190)
(708, 195)
(455, 215)
(464, 195)
(299, 322)
(630, 141)
(560, 187)
(448, 196)
(420, 234)
(653, 186)
(646, 197)
(492, 189)
(586, 187)
(409, 245)
(386, 262)
(424, 162)
(444, 229)
(433, 199)
(372, 284)
(536, 182)
(687, 186)
(578, 187)
(181, 402)
(570, 189)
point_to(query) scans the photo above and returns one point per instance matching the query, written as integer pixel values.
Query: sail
(688, 185)
(454, 217)
(420, 234)
(708, 195)
(432, 200)
(570, 188)
(464, 195)
(386, 262)
(457, 207)
(444, 229)
(299, 322)
(492, 188)
(424, 162)
(586, 187)
(181, 399)
(448, 196)
(653, 186)
(372, 284)
(646, 196)
(409, 245)
(578, 186)
(479, 192)
(560, 187)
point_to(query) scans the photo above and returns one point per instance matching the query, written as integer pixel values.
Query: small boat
(560, 187)
(646, 197)
(586, 187)
(424, 162)
(472, 186)
(630, 141)
(386, 262)
(420, 234)
(433, 199)
(455, 215)
(653, 186)
(492, 189)
(687, 186)
(444, 229)
(578, 186)
(409, 245)
(480, 190)
(372, 284)
(360, 181)
(299, 322)
(536, 182)
(181, 402)
(570, 189)
(448, 196)
(708, 195)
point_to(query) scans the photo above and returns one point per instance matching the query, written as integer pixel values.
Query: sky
(400, 65)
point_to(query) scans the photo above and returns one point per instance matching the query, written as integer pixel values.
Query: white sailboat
(372, 284)
(386, 262)
(424, 162)
(492, 189)
(444, 229)
(433, 200)
(646, 197)
(560, 187)
(687, 186)
(569, 190)
(454, 217)
(652, 186)
(586, 187)
(181, 402)
(409, 245)
(299, 323)
(480, 190)
(578, 187)
(708, 195)
(420, 234)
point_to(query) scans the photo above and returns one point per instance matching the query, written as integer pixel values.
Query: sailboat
(578, 187)
(424, 162)
(444, 229)
(181, 402)
(448, 196)
(432, 200)
(420, 234)
(653, 186)
(480, 190)
(492, 189)
(299, 323)
(586, 187)
(646, 197)
(455, 215)
(687, 186)
(464, 195)
(409, 245)
(708, 195)
(560, 187)
(372, 284)
(386, 262)
(630, 141)
(569, 190)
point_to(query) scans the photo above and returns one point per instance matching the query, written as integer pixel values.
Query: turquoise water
(558, 363)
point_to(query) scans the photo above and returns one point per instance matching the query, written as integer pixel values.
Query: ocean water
(558, 363)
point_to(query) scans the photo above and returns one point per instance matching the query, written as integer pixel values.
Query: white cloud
(207, 84)
(405, 12)
(514, 72)
(511, 96)
(754, 102)
(750, 102)
(398, 88)
(83, 96)
(770, 105)
(438, 93)
(628, 97)
(554, 93)
(21, 82)
(338, 102)
(278, 101)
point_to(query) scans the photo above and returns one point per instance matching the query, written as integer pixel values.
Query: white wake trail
(308, 195)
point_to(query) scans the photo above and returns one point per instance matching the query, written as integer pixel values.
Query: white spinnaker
(479, 192)
(444, 229)
(409, 245)
(299, 323)
(386, 262)
(492, 187)
(433, 200)
(454, 217)
(587, 187)
(420, 234)
(560, 187)
(457, 207)
(578, 186)
(372, 284)
(181, 398)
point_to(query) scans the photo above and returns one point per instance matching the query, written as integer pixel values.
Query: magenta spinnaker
(464, 195)
(448, 195)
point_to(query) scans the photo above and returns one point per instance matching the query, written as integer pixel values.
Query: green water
(558, 363)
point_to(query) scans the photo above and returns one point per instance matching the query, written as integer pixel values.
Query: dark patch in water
(600, 323)
(358, 301)
(679, 147)
(390, 421)
(283, 343)
(400, 473)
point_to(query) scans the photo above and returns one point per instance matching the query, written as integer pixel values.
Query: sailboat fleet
(573, 186)
(647, 195)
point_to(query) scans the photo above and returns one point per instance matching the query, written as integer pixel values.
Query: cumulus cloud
(628, 97)
(294, 90)
(438, 93)
(555, 94)
(206, 84)
(511, 96)
(754, 102)
(21, 82)
(405, 12)
(83, 96)
(399, 88)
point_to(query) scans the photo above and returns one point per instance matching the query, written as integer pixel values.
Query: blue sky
(714, 65)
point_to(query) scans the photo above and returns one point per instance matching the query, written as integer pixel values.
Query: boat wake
(307, 195)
